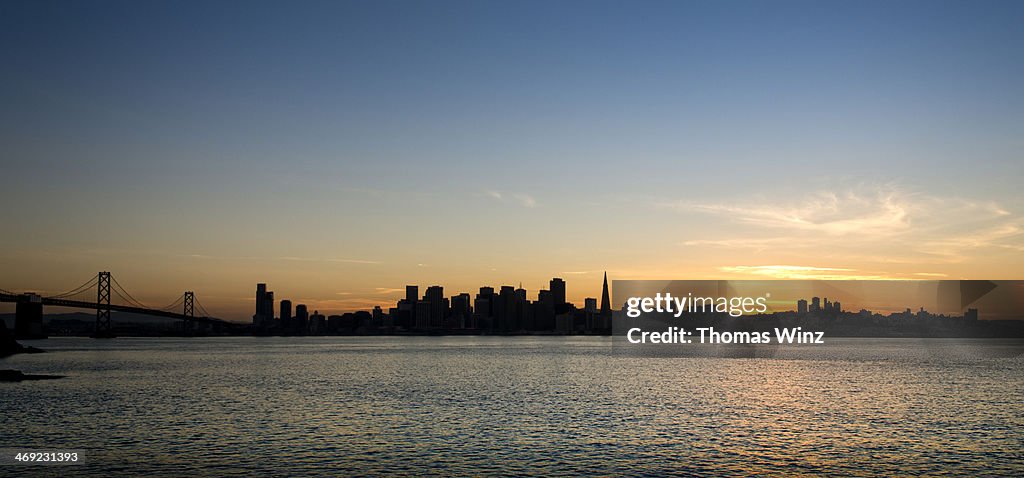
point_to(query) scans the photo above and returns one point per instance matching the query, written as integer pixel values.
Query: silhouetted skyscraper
(505, 309)
(801, 306)
(264, 306)
(300, 322)
(412, 295)
(286, 313)
(523, 319)
(317, 323)
(558, 291)
(461, 311)
(438, 305)
(606, 304)
(590, 311)
(402, 315)
(257, 317)
(483, 308)
(423, 310)
(544, 310)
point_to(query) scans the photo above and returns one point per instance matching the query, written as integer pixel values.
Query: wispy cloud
(884, 211)
(280, 258)
(1006, 235)
(887, 222)
(525, 200)
(315, 259)
(757, 243)
(522, 199)
(806, 272)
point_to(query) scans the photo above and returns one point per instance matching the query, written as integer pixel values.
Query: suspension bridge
(103, 293)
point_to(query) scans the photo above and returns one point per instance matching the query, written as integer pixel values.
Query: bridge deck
(78, 304)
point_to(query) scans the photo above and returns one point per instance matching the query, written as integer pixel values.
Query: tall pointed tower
(606, 304)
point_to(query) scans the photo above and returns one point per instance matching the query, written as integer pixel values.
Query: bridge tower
(103, 306)
(188, 310)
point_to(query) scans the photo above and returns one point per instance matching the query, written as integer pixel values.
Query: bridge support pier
(28, 317)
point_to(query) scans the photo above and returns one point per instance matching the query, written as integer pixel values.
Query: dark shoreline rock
(20, 349)
(9, 346)
(17, 376)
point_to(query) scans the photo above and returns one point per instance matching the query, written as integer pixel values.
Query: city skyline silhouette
(480, 238)
(930, 307)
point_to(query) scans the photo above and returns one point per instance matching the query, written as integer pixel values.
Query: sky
(340, 150)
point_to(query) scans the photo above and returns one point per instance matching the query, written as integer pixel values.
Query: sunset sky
(341, 150)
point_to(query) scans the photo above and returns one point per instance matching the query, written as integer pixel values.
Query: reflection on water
(479, 405)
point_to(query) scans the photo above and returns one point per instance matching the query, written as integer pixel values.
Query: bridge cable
(125, 299)
(177, 302)
(77, 290)
(201, 308)
(83, 292)
(133, 299)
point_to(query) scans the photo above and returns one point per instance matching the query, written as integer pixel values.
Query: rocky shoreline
(9, 346)
(18, 376)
